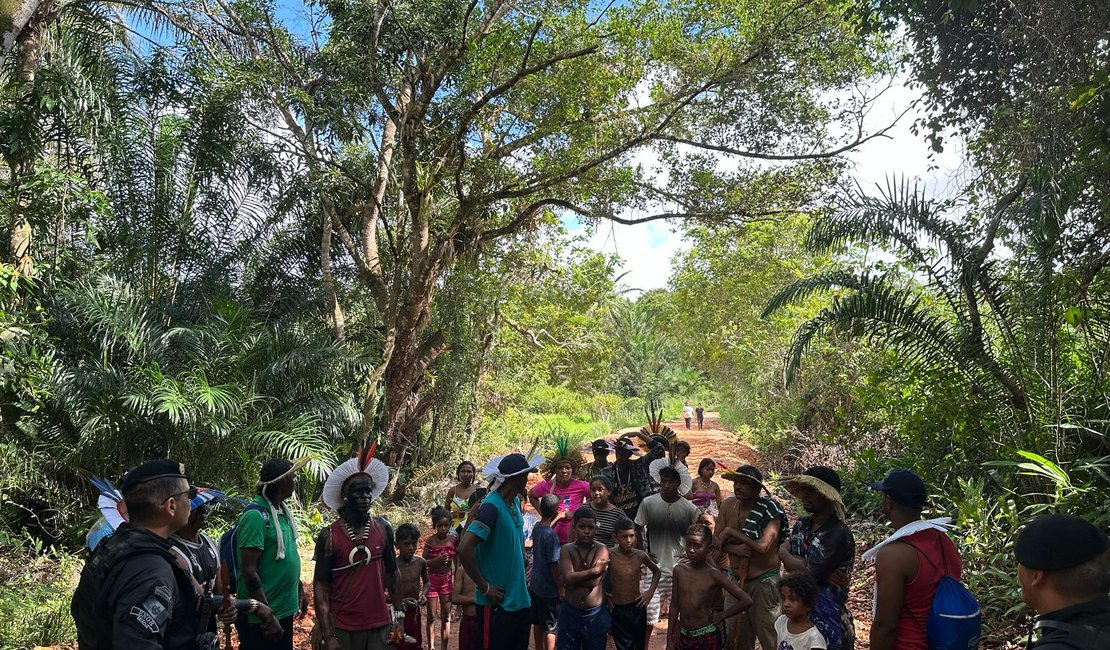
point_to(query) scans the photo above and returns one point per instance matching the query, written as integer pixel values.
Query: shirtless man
(583, 619)
(749, 530)
(692, 624)
(629, 629)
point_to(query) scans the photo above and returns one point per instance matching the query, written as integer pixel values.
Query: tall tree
(432, 129)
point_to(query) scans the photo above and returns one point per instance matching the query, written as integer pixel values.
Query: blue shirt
(545, 551)
(500, 554)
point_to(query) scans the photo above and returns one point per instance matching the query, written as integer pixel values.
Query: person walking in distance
(822, 545)
(688, 413)
(1064, 573)
(355, 576)
(750, 530)
(908, 564)
(492, 552)
(700, 412)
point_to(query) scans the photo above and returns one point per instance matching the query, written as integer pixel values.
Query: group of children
(583, 592)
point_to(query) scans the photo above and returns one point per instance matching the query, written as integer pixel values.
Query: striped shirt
(764, 512)
(606, 521)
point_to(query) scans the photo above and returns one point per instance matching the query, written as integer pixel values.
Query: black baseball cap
(151, 470)
(903, 487)
(600, 446)
(1059, 542)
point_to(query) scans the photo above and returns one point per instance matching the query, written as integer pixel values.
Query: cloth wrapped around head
(508, 466)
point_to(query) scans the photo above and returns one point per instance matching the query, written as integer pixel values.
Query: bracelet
(254, 606)
(485, 592)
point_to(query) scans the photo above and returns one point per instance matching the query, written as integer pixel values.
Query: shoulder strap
(906, 541)
(1082, 637)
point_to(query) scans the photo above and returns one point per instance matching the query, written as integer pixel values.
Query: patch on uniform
(145, 619)
(163, 592)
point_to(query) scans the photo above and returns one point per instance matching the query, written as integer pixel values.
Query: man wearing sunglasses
(132, 594)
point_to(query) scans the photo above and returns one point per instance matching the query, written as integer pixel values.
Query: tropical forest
(862, 234)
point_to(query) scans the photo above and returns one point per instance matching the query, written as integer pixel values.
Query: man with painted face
(822, 545)
(132, 593)
(356, 565)
(631, 479)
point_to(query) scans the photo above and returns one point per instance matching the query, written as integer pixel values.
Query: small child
(583, 619)
(798, 595)
(413, 583)
(439, 552)
(692, 624)
(546, 582)
(629, 629)
(463, 596)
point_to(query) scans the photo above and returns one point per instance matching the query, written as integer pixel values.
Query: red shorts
(440, 584)
(412, 628)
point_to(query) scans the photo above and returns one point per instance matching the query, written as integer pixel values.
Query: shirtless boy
(629, 615)
(413, 583)
(463, 596)
(583, 619)
(691, 624)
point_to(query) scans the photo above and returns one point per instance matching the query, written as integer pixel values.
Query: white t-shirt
(687, 411)
(666, 525)
(808, 640)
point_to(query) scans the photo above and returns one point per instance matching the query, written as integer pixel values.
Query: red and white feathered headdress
(363, 463)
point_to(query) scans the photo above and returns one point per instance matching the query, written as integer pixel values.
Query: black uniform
(133, 595)
(1085, 626)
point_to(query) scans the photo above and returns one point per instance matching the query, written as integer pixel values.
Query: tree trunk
(14, 16)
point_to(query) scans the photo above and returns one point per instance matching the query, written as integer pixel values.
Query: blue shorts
(582, 629)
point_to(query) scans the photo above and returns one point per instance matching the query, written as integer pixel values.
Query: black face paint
(356, 501)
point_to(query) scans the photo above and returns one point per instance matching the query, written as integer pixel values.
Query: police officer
(1064, 572)
(132, 593)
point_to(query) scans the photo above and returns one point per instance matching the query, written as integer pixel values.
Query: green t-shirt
(281, 579)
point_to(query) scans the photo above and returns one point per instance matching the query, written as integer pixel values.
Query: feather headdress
(109, 501)
(363, 463)
(655, 427)
(565, 449)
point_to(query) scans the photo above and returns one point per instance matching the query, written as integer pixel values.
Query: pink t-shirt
(570, 497)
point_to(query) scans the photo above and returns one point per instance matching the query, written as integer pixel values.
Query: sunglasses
(192, 492)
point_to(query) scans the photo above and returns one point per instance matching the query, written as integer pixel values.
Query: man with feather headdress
(356, 564)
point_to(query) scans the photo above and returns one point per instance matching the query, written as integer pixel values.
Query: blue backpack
(955, 619)
(229, 547)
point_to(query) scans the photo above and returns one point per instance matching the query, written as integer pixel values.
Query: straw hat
(823, 480)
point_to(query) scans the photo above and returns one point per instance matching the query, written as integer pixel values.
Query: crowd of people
(594, 550)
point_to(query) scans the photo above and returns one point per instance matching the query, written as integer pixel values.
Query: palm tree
(947, 307)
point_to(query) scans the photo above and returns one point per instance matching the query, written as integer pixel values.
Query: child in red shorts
(439, 553)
